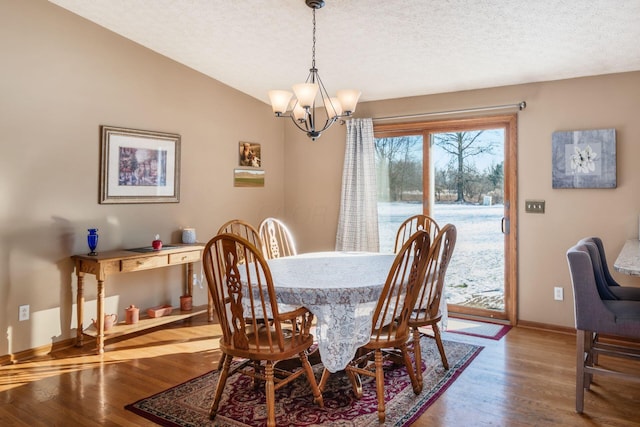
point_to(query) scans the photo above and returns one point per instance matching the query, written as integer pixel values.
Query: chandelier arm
(311, 118)
(295, 122)
(324, 95)
(327, 125)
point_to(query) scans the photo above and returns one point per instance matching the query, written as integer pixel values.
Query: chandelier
(302, 109)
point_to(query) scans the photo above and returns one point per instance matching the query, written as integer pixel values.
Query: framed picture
(584, 159)
(248, 178)
(250, 155)
(139, 166)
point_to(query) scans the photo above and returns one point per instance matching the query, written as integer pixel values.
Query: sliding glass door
(460, 172)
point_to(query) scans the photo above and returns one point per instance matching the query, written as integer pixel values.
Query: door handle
(504, 225)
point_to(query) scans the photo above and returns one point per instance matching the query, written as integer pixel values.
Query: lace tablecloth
(341, 289)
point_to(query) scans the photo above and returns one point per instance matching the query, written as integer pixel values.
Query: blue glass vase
(92, 241)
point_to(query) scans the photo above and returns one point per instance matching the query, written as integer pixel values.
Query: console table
(124, 261)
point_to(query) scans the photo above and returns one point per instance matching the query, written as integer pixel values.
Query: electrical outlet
(23, 313)
(558, 293)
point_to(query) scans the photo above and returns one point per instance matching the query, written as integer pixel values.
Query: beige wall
(61, 78)
(611, 101)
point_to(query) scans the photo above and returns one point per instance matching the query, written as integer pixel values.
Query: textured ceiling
(386, 49)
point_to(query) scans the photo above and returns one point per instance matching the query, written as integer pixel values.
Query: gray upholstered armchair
(594, 317)
(610, 289)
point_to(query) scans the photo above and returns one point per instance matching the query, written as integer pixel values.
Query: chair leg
(356, 382)
(417, 355)
(222, 380)
(415, 383)
(256, 369)
(270, 395)
(221, 361)
(592, 356)
(592, 341)
(438, 337)
(380, 385)
(580, 376)
(317, 395)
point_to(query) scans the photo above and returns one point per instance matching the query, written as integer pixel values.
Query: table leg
(100, 319)
(190, 278)
(323, 379)
(79, 307)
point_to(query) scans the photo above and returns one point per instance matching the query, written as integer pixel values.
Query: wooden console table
(124, 261)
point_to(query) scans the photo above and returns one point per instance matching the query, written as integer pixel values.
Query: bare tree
(396, 159)
(462, 146)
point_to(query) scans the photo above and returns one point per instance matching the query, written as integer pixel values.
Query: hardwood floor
(525, 379)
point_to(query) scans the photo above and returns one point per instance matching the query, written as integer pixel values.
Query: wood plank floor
(525, 379)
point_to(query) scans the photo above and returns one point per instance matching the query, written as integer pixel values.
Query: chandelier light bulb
(333, 107)
(279, 100)
(306, 93)
(349, 99)
(299, 113)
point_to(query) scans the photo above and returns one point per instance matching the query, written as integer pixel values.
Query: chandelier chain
(313, 49)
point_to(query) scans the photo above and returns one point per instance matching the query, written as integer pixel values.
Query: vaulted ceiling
(387, 49)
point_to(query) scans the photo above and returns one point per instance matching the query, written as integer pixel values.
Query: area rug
(474, 328)
(243, 405)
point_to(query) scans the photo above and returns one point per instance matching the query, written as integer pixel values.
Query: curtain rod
(521, 106)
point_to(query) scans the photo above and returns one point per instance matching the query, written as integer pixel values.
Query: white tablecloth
(341, 289)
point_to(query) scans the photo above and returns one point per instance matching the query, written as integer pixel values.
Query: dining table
(341, 290)
(628, 261)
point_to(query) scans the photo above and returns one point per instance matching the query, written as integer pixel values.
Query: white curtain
(358, 220)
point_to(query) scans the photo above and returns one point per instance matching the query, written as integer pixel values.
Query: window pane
(400, 193)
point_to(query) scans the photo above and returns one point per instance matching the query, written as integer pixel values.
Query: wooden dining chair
(243, 229)
(244, 333)
(427, 311)
(276, 238)
(413, 224)
(390, 326)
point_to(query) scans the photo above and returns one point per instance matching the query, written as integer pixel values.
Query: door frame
(509, 123)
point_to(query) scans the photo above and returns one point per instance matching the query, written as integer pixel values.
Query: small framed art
(248, 178)
(250, 155)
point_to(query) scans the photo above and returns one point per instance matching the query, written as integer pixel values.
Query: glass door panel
(468, 192)
(460, 172)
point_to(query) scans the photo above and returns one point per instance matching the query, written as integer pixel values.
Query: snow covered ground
(476, 274)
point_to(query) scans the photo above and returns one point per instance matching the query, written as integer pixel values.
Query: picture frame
(139, 166)
(248, 178)
(250, 155)
(584, 159)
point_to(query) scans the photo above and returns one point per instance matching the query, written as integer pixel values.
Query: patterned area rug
(188, 404)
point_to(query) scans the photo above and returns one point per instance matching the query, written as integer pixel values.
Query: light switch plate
(534, 206)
